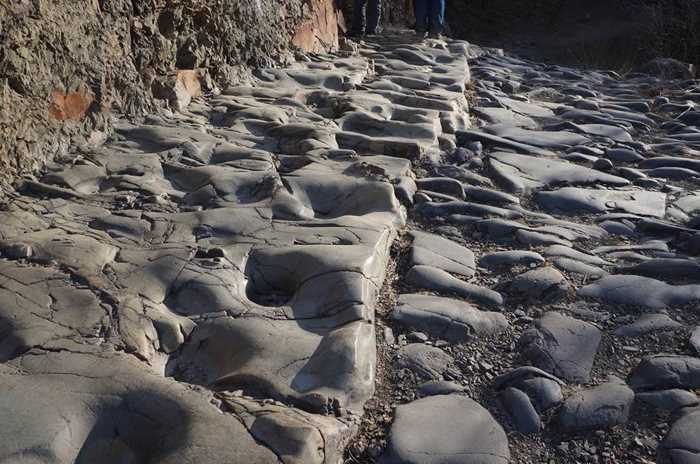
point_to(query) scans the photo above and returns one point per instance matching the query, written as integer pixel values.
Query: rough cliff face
(65, 66)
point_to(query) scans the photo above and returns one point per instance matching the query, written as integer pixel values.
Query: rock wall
(65, 65)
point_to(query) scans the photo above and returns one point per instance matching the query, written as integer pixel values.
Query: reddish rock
(70, 107)
(187, 86)
(320, 32)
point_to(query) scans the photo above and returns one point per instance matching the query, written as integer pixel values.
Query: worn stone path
(213, 285)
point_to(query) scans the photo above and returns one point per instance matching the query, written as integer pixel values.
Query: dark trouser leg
(437, 16)
(421, 15)
(358, 20)
(374, 12)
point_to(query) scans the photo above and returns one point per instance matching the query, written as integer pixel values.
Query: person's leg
(429, 7)
(421, 14)
(358, 15)
(437, 17)
(374, 12)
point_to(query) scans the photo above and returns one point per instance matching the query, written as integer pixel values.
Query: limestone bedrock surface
(201, 287)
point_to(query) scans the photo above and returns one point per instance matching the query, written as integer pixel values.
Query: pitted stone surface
(238, 246)
(233, 255)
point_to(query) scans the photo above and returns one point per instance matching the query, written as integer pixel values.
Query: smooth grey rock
(517, 375)
(666, 371)
(433, 209)
(485, 195)
(445, 429)
(600, 407)
(442, 387)
(666, 268)
(567, 252)
(561, 345)
(572, 200)
(446, 318)
(577, 267)
(138, 416)
(680, 444)
(652, 245)
(511, 258)
(647, 323)
(695, 339)
(640, 291)
(465, 137)
(555, 140)
(618, 228)
(604, 165)
(544, 284)
(521, 411)
(521, 174)
(669, 400)
(427, 362)
(671, 162)
(444, 185)
(436, 251)
(436, 279)
(544, 393)
(536, 239)
(623, 155)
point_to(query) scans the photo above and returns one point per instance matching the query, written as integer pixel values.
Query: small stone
(389, 336)
(417, 337)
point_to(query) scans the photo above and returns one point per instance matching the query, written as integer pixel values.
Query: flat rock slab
(600, 407)
(433, 250)
(561, 345)
(446, 318)
(522, 174)
(446, 429)
(572, 201)
(640, 291)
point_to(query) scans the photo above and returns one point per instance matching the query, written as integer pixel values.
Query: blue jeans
(430, 15)
(374, 10)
